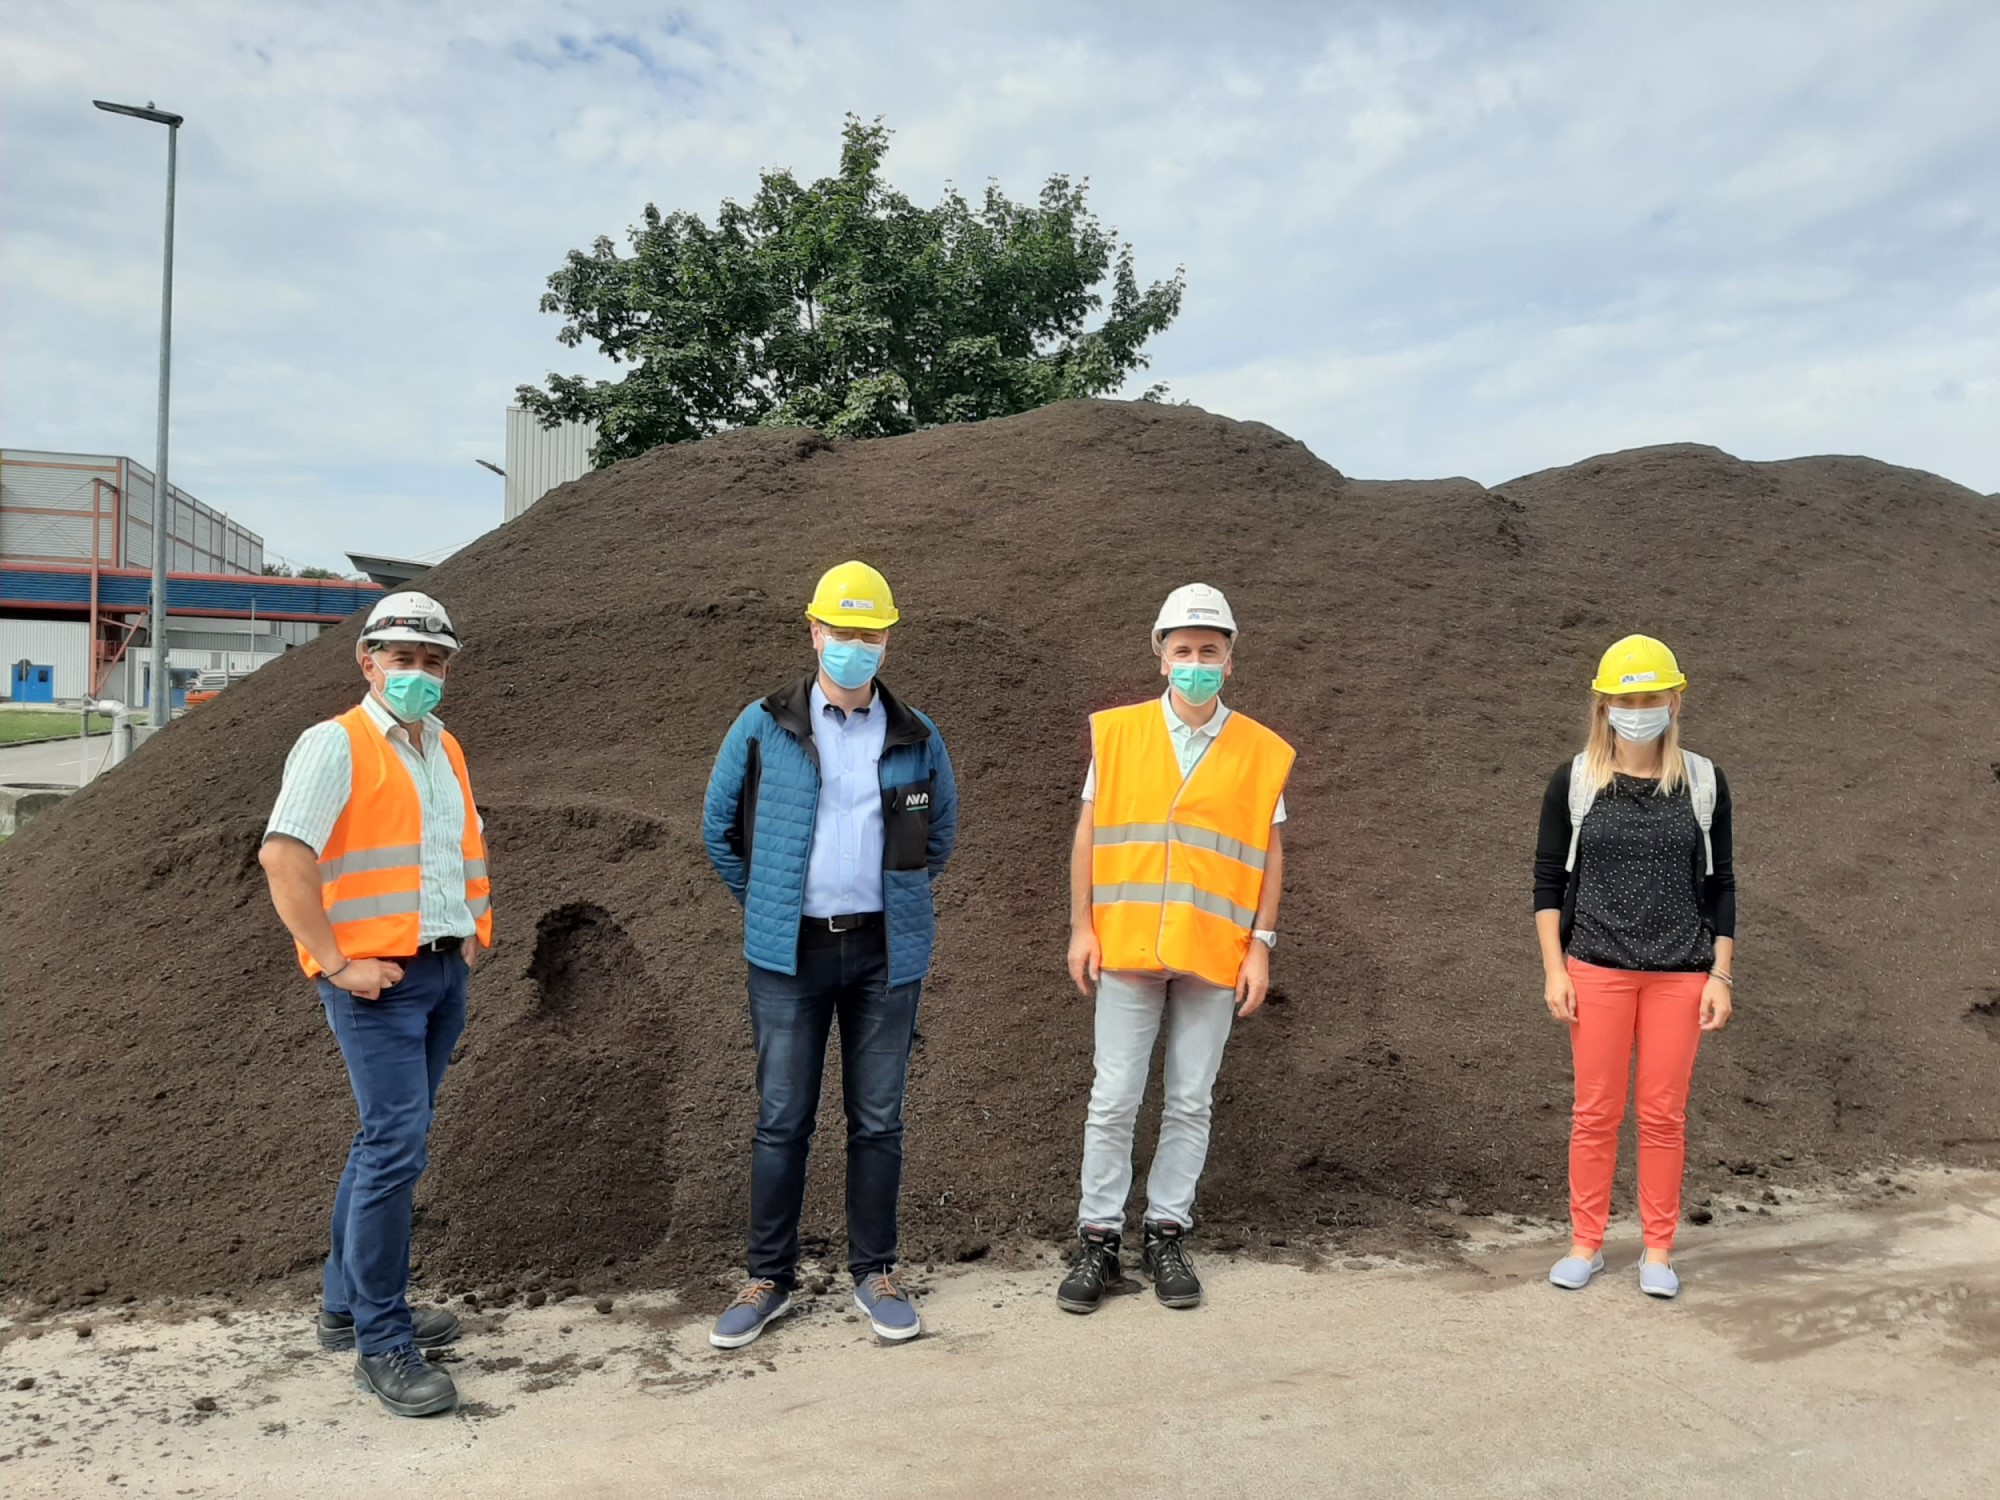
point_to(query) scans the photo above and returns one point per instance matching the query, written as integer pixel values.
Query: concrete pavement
(54, 762)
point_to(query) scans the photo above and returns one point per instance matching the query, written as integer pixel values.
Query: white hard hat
(410, 616)
(1194, 606)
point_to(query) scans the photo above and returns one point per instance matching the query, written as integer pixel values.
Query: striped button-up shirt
(319, 775)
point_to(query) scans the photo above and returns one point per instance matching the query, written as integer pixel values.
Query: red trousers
(1661, 1014)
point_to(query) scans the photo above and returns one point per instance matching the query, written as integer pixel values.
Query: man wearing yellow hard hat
(831, 809)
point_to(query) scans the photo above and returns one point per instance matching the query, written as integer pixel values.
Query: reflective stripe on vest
(361, 908)
(1177, 863)
(1185, 833)
(390, 857)
(371, 875)
(1180, 890)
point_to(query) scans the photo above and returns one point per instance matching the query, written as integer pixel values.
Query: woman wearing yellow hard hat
(1635, 908)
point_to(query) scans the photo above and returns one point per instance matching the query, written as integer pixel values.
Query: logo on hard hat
(867, 604)
(1639, 677)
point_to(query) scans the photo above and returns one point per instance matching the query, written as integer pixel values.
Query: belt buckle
(831, 925)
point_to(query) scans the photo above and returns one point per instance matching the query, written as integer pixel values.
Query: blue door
(181, 679)
(33, 683)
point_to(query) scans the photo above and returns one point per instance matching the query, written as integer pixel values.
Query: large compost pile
(175, 1111)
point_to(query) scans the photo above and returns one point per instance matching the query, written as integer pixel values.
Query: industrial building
(540, 458)
(76, 552)
(62, 507)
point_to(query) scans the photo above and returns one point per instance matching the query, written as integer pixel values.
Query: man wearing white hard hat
(376, 859)
(1175, 877)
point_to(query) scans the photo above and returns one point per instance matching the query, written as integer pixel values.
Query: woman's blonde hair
(1599, 747)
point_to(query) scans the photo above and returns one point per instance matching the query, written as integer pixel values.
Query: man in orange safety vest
(1175, 877)
(376, 859)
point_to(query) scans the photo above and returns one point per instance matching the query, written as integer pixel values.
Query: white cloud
(1426, 239)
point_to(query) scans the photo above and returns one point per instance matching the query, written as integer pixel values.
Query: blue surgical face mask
(411, 695)
(851, 664)
(1640, 725)
(1196, 684)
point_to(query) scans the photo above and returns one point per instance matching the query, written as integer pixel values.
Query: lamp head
(140, 112)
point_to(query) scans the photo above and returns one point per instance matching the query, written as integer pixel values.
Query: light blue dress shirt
(844, 871)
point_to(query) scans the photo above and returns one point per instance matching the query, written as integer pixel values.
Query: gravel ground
(1825, 1350)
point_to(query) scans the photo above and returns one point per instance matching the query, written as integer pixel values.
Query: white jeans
(1130, 1008)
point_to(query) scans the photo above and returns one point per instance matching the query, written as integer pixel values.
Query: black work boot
(405, 1383)
(1095, 1269)
(430, 1327)
(1165, 1259)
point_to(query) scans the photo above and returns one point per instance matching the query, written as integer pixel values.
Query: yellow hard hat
(853, 595)
(1638, 664)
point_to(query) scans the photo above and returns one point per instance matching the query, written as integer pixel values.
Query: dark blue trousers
(843, 976)
(396, 1050)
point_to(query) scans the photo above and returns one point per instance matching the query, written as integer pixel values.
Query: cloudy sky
(1428, 238)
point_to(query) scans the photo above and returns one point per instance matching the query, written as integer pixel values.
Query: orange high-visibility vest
(371, 871)
(1177, 864)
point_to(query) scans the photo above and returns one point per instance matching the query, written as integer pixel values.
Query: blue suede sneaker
(890, 1310)
(757, 1304)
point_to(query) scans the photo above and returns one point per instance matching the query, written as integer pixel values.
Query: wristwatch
(1268, 939)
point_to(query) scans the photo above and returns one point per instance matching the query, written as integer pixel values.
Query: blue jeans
(396, 1050)
(844, 975)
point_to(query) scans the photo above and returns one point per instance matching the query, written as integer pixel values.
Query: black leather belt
(440, 945)
(854, 922)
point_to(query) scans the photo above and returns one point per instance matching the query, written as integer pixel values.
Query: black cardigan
(1555, 887)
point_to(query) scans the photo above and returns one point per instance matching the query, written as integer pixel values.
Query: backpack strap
(1581, 797)
(1701, 790)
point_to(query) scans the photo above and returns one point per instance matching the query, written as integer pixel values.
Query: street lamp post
(162, 706)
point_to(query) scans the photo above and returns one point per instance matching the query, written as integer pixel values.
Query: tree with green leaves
(844, 306)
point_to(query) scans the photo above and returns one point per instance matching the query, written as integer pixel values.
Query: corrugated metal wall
(53, 536)
(62, 644)
(45, 516)
(138, 502)
(45, 506)
(221, 661)
(273, 636)
(540, 458)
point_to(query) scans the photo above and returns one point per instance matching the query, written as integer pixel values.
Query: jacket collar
(791, 707)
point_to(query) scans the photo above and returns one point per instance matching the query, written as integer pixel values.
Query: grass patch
(25, 726)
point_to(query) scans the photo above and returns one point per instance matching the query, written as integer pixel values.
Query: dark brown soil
(175, 1111)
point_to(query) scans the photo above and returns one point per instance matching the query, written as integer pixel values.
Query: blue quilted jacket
(757, 822)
